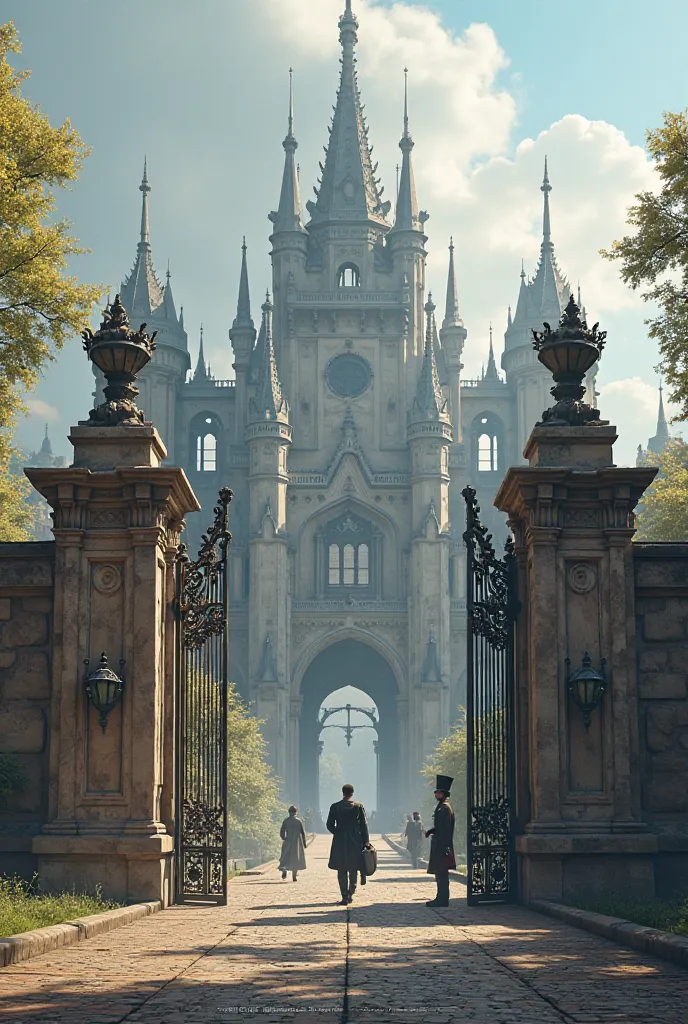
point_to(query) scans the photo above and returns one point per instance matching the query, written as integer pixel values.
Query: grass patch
(23, 908)
(668, 915)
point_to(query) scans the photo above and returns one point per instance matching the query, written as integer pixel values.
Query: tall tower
(146, 300)
(242, 335)
(540, 300)
(429, 437)
(268, 436)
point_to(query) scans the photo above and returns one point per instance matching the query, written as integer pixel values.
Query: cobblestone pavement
(285, 952)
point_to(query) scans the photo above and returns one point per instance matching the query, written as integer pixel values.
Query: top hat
(444, 783)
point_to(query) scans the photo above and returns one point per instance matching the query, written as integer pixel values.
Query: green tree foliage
(255, 810)
(40, 304)
(663, 514)
(656, 255)
(449, 758)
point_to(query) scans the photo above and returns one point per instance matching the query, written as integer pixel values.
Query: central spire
(348, 189)
(288, 215)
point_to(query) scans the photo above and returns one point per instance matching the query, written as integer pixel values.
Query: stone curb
(25, 945)
(455, 875)
(649, 940)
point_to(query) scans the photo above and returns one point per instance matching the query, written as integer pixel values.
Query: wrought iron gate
(201, 718)
(492, 606)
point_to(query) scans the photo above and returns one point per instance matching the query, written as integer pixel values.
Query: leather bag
(369, 861)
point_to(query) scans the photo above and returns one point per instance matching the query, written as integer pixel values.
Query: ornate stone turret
(287, 218)
(453, 336)
(145, 299)
(268, 436)
(540, 300)
(242, 335)
(429, 437)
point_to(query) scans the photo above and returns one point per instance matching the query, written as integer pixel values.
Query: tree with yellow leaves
(663, 512)
(40, 304)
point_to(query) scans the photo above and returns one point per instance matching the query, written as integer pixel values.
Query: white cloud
(37, 407)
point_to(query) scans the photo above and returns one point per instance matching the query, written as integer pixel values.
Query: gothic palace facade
(347, 435)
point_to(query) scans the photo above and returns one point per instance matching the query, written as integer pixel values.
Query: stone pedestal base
(128, 869)
(564, 868)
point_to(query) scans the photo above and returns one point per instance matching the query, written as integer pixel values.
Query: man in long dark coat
(293, 836)
(441, 834)
(414, 837)
(349, 827)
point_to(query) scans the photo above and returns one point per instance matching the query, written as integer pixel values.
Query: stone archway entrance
(351, 663)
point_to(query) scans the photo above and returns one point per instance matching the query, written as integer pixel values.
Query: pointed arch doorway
(345, 663)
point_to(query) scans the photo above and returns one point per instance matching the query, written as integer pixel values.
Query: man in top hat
(441, 859)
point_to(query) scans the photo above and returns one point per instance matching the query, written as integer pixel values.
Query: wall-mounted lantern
(104, 688)
(586, 686)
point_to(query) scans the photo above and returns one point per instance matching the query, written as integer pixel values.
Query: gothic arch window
(206, 433)
(488, 443)
(348, 546)
(348, 276)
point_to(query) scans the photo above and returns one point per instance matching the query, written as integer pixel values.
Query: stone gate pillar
(117, 517)
(578, 785)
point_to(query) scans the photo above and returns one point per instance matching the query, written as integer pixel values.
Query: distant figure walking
(349, 827)
(293, 836)
(414, 837)
(441, 859)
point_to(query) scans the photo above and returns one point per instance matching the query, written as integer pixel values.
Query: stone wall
(26, 605)
(661, 586)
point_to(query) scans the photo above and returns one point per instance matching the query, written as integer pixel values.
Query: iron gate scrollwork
(492, 606)
(201, 701)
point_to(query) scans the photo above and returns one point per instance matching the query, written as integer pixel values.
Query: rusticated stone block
(28, 629)
(662, 686)
(666, 717)
(678, 660)
(33, 797)
(22, 729)
(657, 740)
(666, 792)
(5, 608)
(653, 661)
(28, 678)
(666, 620)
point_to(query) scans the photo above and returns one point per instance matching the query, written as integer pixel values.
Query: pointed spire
(288, 214)
(429, 402)
(491, 372)
(243, 313)
(451, 314)
(407, 218)
(142, 293)
(509, 320)
(46, 447)
(546, 188)
(168, 300)
(269, 403)
(144, 187)
(348, 189)
(201, 371)
(658, 443)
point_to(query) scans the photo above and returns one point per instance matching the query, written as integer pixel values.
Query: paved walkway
(284, 952)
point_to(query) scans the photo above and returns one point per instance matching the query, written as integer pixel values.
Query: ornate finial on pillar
(568, 353)
(120, 354)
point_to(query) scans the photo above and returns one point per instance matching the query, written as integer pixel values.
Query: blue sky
(202, 91)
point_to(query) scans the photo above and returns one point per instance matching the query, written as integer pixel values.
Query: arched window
(488, 435)
(206, 432)
(348, 541)
(488, 454)
(348, 276)
(206, 453)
